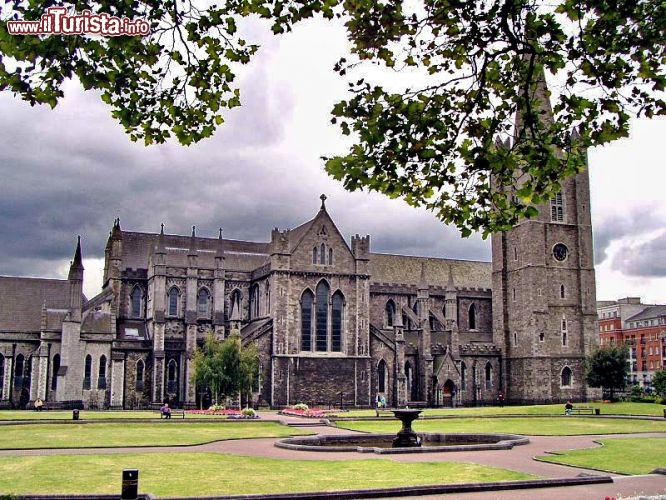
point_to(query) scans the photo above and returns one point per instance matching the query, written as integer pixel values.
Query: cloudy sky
(71, 171)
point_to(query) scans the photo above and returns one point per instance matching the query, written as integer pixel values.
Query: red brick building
(643, 328)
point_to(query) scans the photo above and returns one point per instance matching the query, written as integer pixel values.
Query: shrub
(248, 412)
(301, 406)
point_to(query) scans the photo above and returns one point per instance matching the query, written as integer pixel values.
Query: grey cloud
(647, 259)
(620, 226)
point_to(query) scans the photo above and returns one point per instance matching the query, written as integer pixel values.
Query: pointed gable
(318, 245)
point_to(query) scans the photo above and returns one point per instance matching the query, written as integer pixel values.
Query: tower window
(390, 312)
(562, 292)
(472, 317)
(557, 208)
(566, 377)
(541, 337)
(136, 300)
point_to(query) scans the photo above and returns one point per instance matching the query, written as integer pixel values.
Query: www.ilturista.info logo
(57, 22)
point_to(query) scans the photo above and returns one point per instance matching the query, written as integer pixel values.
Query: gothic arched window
(472, 317)
(87, 372)
(203, 303)
(321, 326)
(54, 372)
(101, 377)
(381, 376)
(268, 297)
(19, 367)
(236, 305)
(136, 300)
(307, 300)
(330, 256)
(489, 375)
(463, 376)
(174, 294)
(314, 255)
(337, 319)
(140, 369)
(172, 376)
(566, 377)
(2, 373)
(322, 254)
(390, 312)
(254, 301)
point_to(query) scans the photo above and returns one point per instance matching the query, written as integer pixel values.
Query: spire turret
(76, 268)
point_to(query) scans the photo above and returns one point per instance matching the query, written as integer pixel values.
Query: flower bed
(309, 412)
(233, 414)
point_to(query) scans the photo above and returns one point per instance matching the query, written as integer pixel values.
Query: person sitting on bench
(568, 408)
(166, 411)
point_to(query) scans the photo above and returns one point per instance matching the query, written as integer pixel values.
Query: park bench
(174, 413)
(416, 404)
(580, 410)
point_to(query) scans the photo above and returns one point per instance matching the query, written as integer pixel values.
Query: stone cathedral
(333, 321)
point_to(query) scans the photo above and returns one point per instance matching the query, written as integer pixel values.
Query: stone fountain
(406, 437)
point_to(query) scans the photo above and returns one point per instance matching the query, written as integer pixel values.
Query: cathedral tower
(544, 293)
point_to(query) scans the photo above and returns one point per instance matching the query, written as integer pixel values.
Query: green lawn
(94, 415)
(535, 426)
(624, 456)
(165, 433)
(648, 409)
(217, 474)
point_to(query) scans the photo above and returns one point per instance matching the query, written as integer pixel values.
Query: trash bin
(597, 411)
(75, 414)
(130, 489)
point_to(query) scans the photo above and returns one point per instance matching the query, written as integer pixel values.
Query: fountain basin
(383, 443)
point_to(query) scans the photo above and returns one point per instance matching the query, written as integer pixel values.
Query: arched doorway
(448, 394)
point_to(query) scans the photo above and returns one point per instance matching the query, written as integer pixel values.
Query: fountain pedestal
(406, 437)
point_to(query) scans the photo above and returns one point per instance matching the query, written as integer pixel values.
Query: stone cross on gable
(323, 199)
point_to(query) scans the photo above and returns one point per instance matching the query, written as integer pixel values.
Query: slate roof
(22, 300)
(649, 313)
(239, 255)
(96, 322)
(385, 268)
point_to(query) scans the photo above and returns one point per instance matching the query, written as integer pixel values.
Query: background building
(643, 328)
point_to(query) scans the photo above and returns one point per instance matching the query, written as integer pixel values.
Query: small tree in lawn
(249, 367)
(607, 368)
(659, 383)
(208, 367)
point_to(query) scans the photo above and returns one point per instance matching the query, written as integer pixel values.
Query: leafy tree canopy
(436, 142)
(607, 367)
(659, 383)
(225, 366)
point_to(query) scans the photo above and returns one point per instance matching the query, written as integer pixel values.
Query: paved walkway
(519, 458)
